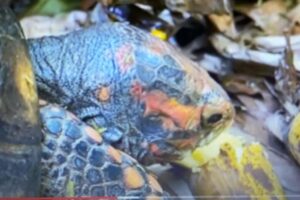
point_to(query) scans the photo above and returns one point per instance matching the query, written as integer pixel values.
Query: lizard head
(151, 100)
(181, 105)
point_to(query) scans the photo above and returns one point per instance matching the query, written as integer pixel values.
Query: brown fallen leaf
(269, 16)
(294, 16)
(87, 4)
(240, 84)
(224, 23)
(239, 52)
(200, 6)
(288, 81)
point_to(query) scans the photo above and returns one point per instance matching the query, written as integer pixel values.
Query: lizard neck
(47, 73)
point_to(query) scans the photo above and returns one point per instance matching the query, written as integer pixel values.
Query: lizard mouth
(173, 147)
(170, 127)
(187, 126)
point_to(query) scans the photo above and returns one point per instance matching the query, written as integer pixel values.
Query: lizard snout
(214, 119)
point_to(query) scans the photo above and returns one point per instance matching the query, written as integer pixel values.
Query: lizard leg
(77, 162)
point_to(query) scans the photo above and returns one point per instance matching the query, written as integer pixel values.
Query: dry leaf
(38, 26)
(239, 84)
(294, 16)
(269, 17)
(234, 50)
(224, 23)
(200, 6)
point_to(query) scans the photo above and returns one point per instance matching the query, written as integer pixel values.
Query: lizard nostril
(214, 118)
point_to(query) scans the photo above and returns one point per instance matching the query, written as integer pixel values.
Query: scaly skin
(152, 101)
(76, 161)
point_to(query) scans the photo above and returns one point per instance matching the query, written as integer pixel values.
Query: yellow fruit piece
(201, 155)
(294, 138)
(159, 34)
(233, 165)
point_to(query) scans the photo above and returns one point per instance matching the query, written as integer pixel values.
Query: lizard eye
(214, 118)
(213, 114)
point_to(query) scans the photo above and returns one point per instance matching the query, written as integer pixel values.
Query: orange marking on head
(115, 154)
(154, 101)
(136, 90)
(133, 179)
(104, 94)
(154, 184)
(93, 134)
(187, 117)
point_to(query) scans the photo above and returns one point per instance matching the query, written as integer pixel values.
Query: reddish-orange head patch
(157, 102)
(103, 94)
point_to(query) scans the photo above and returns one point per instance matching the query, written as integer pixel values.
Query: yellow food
(233, 165)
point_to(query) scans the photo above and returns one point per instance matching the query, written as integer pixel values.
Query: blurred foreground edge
(62, 198)
(20, 129)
